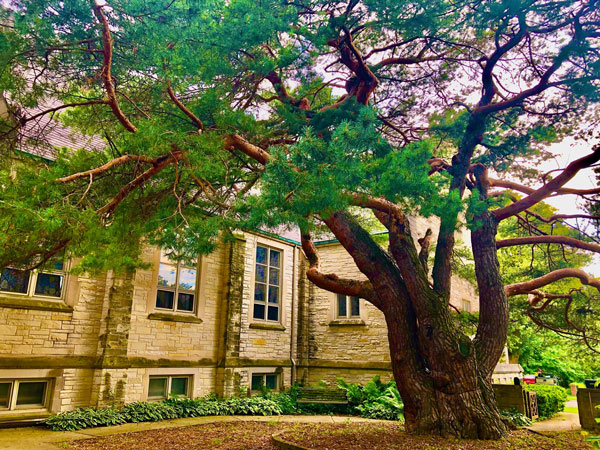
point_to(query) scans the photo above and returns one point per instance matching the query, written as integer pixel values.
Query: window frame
(267, 284)
(169, 383)
(179, 266)
(464, 302)
(264, 376)
(348, 315)
(32, 283)
(13, 394)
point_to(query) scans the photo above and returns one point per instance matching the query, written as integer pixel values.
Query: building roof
(44, 136)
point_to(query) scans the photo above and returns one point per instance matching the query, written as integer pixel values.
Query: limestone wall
(160, 337)
(26, 333)
(330, 340)
(330, 375)
(356, 349)
(268, 342)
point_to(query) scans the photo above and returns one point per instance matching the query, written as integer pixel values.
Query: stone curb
(286, 445)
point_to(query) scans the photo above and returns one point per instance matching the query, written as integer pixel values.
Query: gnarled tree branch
(549, 239)
(330, 281)
(530, 286)
(109, 165)
(184, 108)
(160, 163)
(107, 52)
(543, 192)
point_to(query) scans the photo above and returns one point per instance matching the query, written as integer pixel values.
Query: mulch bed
(213, 436)
(356, 436)
(384, 436)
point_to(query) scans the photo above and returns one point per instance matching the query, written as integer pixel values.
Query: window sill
(169, 317)
(23, 415)
(23, 302)
(267, 326)
(347, 322)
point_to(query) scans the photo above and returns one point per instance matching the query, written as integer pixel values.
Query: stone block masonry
(101, 344)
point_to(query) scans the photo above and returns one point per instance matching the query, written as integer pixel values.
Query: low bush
(148, 412)
(168, 409)
(551, 399)
(375, 400)
(595, 440)
(85, 418)
(515, 418)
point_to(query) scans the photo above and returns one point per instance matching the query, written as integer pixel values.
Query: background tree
(220, 115)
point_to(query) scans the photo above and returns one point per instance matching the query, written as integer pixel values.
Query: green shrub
(253, 406)
(85, 418)
(551, 399)
(286, 400)
(375, 400)
(379, 411)
(515, 418)
(595, 440)
(148, 412)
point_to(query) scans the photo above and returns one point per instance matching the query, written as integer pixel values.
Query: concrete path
(42, 438)
(562, 422)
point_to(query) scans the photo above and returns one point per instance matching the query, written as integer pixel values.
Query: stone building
(242, 317)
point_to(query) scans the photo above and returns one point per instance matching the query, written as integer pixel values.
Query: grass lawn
(357, 436)
(571, 397)
(571, 409)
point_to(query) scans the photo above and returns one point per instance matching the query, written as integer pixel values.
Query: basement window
(24, 394)
(262, 381)
(163, 387)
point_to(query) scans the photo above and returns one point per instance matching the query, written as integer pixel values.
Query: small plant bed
(355, 436)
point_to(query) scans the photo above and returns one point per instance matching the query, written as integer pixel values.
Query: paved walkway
(42, 438)
(562, 422)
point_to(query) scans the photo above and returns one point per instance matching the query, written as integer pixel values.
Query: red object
(529, 379)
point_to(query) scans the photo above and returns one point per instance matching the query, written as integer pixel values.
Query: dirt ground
(356, 436)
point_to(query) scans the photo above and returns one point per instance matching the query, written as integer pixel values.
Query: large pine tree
(243, 113)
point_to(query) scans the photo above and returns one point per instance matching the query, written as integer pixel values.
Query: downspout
(293, 317)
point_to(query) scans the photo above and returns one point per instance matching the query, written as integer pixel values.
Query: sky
(565, 152)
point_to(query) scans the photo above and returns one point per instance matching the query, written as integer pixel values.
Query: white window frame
(169, 378)
(264, 376)
(164, 259)
(14, 392)
(32, 282)
(348, 307)
(267, 285)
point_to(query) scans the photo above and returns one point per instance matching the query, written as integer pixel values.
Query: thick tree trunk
(444, 383)
(453, 398)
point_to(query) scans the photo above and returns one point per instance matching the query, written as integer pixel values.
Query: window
(162, 387)
(46, 282)
(261, 381)
(267, 284)
(23, 394)
(466, 305)
(347, 307)
(176, 286)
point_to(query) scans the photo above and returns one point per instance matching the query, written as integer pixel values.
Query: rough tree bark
(443, 377)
